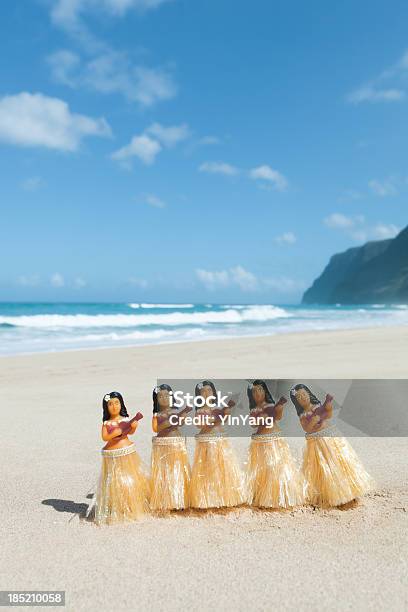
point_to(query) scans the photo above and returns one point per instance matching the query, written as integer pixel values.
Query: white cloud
(143, 147)
(111, 72)
(381, 231)
(204, 141)
(65, 13)
(68, 14)
(28, 281)
(403, 62)
(33, 183)
(57, 280)
(148, 145)
(63, 64)
(218, 168)
(266, 173)
(284, 285)
(140, 283)
(383, 188)
(350, 194)
(171, 135)
(209, 140)
(120, 7)
(246, 281)
(155, 201)
(359, 235)
(142, 84)
(107, 71)
(388, 86)
(36, 120)
(79, 282)
(370, 94)
(359, 229)
(338, 220)
(213, 279)
(236, 276)
(286, 238)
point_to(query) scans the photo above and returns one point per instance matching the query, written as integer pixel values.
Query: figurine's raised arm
(130, 426)
(180, 417)
(320, 414)
(275, 410)
(162, 418)
(326, 411)
(219, 412)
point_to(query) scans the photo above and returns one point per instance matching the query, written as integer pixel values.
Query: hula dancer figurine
(216, 479)
(334, 474)
(273, 478)
(170, 466)
(123, 489)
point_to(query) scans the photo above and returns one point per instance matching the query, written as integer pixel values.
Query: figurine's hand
(161, 417)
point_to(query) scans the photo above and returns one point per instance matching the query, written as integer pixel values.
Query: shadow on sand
(68, 506)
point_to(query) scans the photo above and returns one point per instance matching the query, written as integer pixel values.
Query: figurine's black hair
(112, 395)
(268, 395)
(204, 383)
(313, 399)
(162, 387)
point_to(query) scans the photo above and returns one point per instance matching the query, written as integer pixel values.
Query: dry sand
(349, 559)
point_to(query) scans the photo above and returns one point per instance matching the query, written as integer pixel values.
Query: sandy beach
(340, 559)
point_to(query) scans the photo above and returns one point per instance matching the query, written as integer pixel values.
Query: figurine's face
(163, 398)
(114, 407)
(303, 398)
(258, 393)
(206, 392)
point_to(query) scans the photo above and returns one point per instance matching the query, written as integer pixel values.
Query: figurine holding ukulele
(333, 472)
(273, 478)
(123, 489)
(170, 466)
(216, 479)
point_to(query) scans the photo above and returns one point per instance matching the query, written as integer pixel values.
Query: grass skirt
(170, 474)
(273, 478)
(334, 475)
(216, 478)
(123, 489)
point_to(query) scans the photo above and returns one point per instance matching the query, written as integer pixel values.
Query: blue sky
(196, 151)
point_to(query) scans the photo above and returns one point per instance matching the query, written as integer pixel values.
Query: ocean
(32, 328)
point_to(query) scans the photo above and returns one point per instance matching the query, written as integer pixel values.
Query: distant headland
(376, 272)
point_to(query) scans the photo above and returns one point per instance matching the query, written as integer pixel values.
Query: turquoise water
(28, 328)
